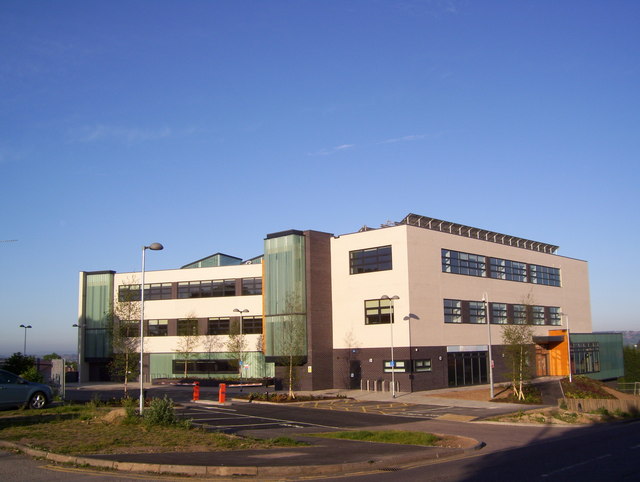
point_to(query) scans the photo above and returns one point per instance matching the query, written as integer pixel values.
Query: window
(158, 328)
(554, 316)
(585, 357)
(422, 365)
(400, 366)
(251, 286)
(477, 312)
(463, 263)
(252, 325)
(543, 275)
(508, 270)
(218, 326)
(519, 315)
(368, 260)
(377, 312)
(187, 327)
(452, 311)
(153, 291)
(206, 289)
(204, 366)
(537, 315)
(499, 313)
(130, 328)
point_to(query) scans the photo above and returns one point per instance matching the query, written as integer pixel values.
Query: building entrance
(467, 368)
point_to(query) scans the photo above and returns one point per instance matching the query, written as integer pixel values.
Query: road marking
(635, 447)
(569, 467)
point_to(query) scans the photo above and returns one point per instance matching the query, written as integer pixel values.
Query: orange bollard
(222, 393)
(196, 391)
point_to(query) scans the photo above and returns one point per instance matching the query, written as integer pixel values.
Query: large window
(544, 275)
(371, 259)
(452, 311)
(585, 357)
(204, 366)
(218, 326)
(463, 263)
(153, 291)
(462, 311)
(188, 327)
(206, 289)
(158, 328)
(251, 286)
(422, 365)
(508, 270)
(457, 262)
(378, 312)
(252, 325)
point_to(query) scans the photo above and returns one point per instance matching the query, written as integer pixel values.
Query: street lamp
(24, 351)
(485, 300)
(393, 361)
(79, 326)
(568, 347)
(238, 310)
(153, 247)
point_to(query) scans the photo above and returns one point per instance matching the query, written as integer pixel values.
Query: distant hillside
(631, 337)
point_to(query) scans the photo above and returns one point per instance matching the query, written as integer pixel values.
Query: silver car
(16, 392)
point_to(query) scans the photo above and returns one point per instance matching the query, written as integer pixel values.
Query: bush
(160, 412)
(584, 387)
(32, 375)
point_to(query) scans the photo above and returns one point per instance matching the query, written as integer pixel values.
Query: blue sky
(205, 125)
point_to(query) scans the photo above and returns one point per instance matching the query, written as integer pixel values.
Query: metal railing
(629, 387)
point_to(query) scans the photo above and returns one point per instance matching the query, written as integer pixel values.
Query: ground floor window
(397, 366)
(467, 368)
(201, 367)
(585, 357)
(422, 365)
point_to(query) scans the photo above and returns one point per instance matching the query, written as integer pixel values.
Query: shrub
(160, 412)
(32, 375)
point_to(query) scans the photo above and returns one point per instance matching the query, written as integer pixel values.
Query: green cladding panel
(285, 296)
(98, 300)
(610, 352)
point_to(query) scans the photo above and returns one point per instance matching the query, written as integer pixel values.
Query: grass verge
(85, 429)
(384, 436)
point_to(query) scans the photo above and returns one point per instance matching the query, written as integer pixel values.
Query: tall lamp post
(79, 326)
(393, 361)
(485, 300)
(153, 247)
(26, 327)
(238, 310)
(568, 347)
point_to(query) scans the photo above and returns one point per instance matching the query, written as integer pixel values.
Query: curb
(383, 464)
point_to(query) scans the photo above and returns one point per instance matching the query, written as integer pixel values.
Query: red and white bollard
(196, 391)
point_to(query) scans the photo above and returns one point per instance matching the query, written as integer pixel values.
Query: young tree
(292, 346)
(211, 344)
(189, 340)
(19, 363)
(124, 330)
(518, 341)
(237, 345)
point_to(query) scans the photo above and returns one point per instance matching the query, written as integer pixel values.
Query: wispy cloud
(332, 150)
(414, 137)
(129, 135)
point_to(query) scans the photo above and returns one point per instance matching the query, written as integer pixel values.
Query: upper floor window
(460, 311)
(499, 313)
(509, 270)
(463, 263)
(252, 325)
(452, 311)
(371, 259)
(188, 327)
(251, 286)
(206, 289)
(218, 326)
(158, 328)
(378, 312)
(477, 313)
(544, 275)
(153, 291)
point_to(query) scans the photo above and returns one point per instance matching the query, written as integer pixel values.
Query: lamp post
(485, 300)
(153, 247)
(79, 326)
(568, 348)
(393, 361)
(26, 327)
(238, 310)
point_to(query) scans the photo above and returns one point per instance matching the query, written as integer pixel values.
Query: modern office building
(418, 301)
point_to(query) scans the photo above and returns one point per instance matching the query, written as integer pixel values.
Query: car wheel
(37, 400)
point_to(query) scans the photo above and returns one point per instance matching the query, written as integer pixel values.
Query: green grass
(82, 429)
(384, 436)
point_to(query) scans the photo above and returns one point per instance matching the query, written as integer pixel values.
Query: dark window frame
(369, 260)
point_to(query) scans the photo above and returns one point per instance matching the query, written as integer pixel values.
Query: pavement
(321, 456)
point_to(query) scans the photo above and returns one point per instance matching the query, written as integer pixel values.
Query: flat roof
(476, 233)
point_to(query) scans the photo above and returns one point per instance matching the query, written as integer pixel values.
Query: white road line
(635, 447)
(241, 425)
(569, 467)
